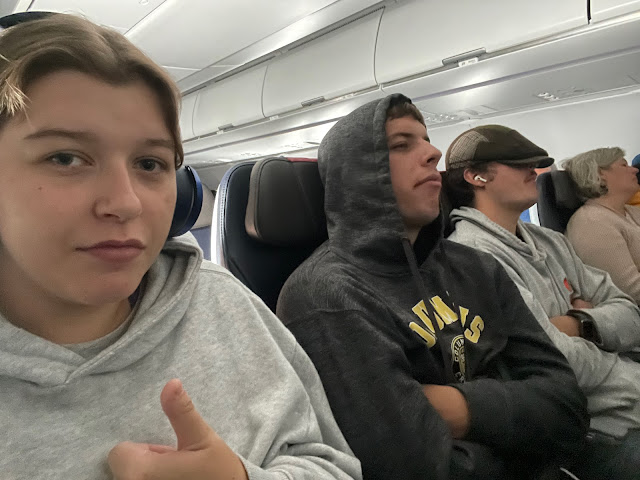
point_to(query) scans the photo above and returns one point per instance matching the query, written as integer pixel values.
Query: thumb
(192, 432)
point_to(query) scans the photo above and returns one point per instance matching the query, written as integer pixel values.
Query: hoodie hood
(525, 246)
(168, 288)
(363, 219)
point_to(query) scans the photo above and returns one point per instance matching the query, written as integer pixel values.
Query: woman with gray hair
(605, 231)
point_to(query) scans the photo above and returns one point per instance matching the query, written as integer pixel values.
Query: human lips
(433, 179)
(115, 251)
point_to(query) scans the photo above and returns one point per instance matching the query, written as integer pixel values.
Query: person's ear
(474, 179)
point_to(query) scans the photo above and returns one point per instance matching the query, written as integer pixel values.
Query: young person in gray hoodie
(98, 311)
(490, 181)
(424, 346)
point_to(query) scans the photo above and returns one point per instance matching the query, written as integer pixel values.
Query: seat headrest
(565, 189)
(446, 206)
(189, 199)
(22, 17)
(286, 202)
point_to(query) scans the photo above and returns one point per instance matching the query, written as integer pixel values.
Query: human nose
(430, 155)
(117, 197)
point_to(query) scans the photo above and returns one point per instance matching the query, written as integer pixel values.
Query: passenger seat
(269, 218)
(557, 199)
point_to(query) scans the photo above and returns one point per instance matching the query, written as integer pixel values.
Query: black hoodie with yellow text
(377, 332)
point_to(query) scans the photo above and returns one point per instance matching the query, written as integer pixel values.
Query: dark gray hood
(363, 219)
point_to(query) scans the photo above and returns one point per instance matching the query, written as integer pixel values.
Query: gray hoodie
(548, 273)
(63, 408)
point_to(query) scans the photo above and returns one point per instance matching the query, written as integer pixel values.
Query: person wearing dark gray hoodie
(425, 347)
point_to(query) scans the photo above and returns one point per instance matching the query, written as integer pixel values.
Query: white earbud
(478, 177)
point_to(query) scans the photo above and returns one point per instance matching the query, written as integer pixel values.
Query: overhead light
(143, 2)
(550, 97)
(430, 117)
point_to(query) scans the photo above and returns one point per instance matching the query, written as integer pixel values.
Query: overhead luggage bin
(591, 44)
(335, 64)
(186, 116)
(417, 36)
(234, 101)
(593, 76)
(233, 143)
(605, 9)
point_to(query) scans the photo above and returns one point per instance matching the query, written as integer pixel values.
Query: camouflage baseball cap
(494, 143)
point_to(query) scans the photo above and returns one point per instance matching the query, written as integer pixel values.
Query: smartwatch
(587, 327)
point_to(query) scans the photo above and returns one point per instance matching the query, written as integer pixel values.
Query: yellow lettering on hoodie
(444, 315)
(475, 329)
(448, 316)
(429, 334)
(463, 315)
(421, 311)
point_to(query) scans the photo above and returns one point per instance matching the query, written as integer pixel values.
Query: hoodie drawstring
(417, 278)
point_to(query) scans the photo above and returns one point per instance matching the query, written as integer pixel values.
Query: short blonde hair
(585, 167)
(31, 50)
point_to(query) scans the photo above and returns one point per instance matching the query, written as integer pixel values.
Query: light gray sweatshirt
(62, 408)
(548, 274)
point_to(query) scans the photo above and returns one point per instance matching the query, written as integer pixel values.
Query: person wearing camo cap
(490, 181)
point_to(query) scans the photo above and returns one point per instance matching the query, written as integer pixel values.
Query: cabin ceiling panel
(119, 14)
(7, 7)
(605, 9)
(179, 73)
(209, 31)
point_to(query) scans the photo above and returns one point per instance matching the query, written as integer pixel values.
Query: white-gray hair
(585, 167)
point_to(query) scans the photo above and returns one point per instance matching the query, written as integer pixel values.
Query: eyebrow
(160, 142)
(408, 135)
(60, 132)
(85, 136)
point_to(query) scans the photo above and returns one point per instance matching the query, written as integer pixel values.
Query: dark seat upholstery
(446, 206)
(270, 218)
(557, 199)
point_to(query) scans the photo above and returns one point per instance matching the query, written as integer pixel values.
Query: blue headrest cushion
(188, 201)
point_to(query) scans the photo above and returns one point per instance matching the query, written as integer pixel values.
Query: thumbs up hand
(201, 453)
